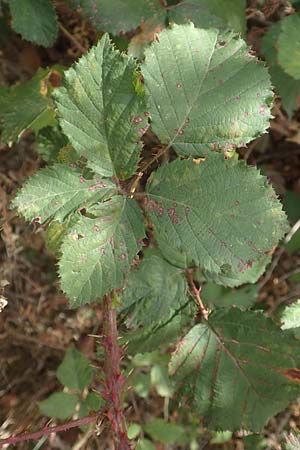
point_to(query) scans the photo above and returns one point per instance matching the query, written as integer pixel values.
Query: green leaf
(196, 12)
(291, 204)
(75, 371)
(162, 335)
(238, 369)
(154, 291)
(234, 279)
(35, 20)
(255, 442)
(293, 246)
(145, 444)
(287, 87)
(58, 191)
(165, 432)
(203, 211)
(97, 252)
(292, 442)
(118, 16)
(141, 384)
(216, 296)
(211, 14)
(100, 111)
(289, 46)
(56, 232)
(50, 141)
(220, 437)
(160, 379)
(93, 401)
(290, 318)
(60, 405)
(134, 430)
(25, 106)
(205, 91)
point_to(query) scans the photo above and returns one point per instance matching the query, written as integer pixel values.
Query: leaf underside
(239, 369)
(205, 91)
(100, 111)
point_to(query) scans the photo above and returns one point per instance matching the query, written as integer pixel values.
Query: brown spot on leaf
(293, 374)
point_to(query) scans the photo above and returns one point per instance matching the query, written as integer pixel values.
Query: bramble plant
(145, 201)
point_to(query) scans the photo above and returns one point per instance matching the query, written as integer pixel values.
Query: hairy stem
(114, 381)
(48, 430)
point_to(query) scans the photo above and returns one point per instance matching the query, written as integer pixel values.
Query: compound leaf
(119, 16)
(289, 46)
(202, 210)
(57, 191)
(60, 404)
(25, 106)
(35, 20)
(100, 111)
(239, 368)
(99, 250)
(75, 371)
(205, 90)
(153, 292)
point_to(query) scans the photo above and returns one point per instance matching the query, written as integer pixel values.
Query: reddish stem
(196, 293)
(114, 381)
(48, 430)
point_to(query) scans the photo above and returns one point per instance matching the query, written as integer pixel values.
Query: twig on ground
(49, 430)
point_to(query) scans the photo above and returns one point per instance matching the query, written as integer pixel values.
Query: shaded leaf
(165, 432)
(119, 16)
(216, 296)
(289, 46)
(60, 405)
(239, 369)
(57, 191)
(150, 338)
(35, 20)
(50, 141)
(75, 371)
(204, 90)
(145, 444)
(98, 251)
(153, 292)
(100, 111)
(203, 211)
(286, 86)
(211, 14)
(25, 106)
